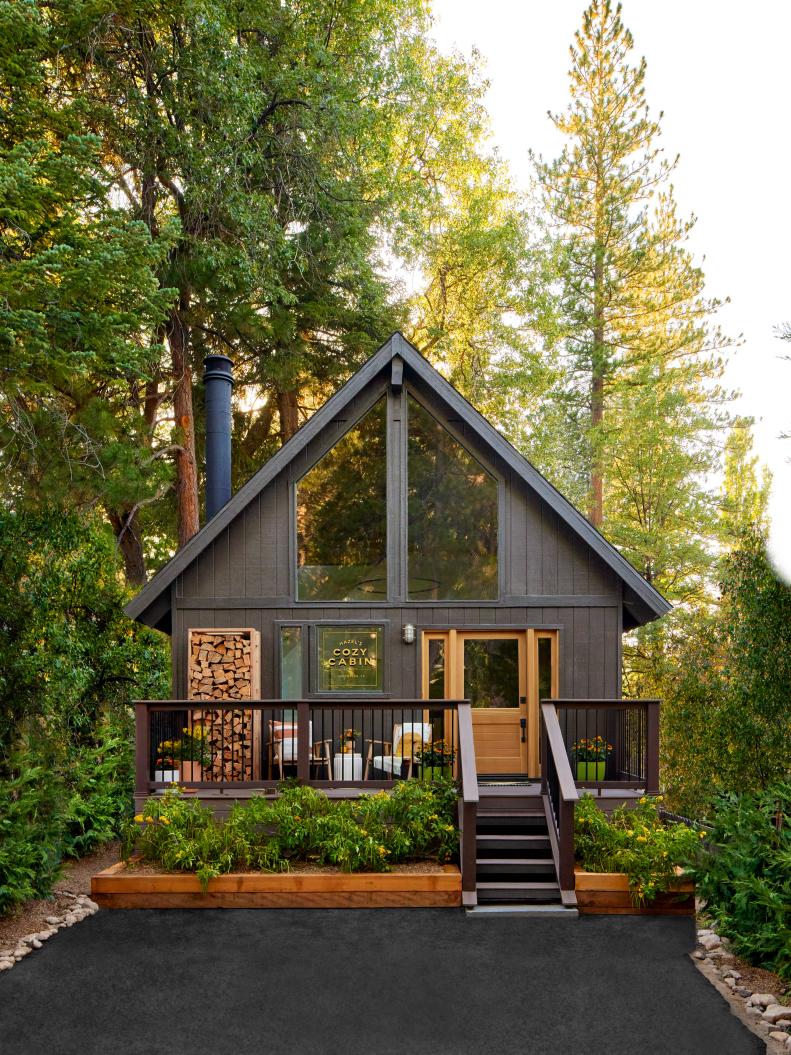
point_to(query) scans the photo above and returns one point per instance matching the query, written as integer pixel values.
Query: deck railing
(629, 731)
(233, 745)
(629, 727)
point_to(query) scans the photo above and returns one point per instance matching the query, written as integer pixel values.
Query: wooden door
(504, 674)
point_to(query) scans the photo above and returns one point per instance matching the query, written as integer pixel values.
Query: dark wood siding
(549, 578)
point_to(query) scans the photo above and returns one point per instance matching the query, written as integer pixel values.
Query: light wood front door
(503, 673)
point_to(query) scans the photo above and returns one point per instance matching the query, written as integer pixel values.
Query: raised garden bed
(607, 893)
(122, 886)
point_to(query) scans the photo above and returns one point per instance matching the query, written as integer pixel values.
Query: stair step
(527, 864)
(517, 892)
(503, 841)
(553, 910)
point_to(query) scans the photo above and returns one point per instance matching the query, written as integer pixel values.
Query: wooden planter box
(607, 893)
(121, 887)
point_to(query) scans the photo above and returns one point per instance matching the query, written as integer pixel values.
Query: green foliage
(31, 826)
(726, 682)
(744, 875)
(370, 833)
(69, 664)
(634, 840)
(633, 411)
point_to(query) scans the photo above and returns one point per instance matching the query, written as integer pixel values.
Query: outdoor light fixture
(408, 634)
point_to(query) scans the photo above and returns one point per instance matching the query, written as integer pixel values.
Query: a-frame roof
(643, 602)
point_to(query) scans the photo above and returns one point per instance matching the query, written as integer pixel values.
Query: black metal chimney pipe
(218, 383)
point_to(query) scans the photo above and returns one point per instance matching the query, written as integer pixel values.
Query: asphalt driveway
(383, 982)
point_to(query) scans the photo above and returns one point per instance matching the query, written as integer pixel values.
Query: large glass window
(342, 517)
(452, 511)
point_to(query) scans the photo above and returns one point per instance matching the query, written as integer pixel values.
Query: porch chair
(408, 738)
(283, 748)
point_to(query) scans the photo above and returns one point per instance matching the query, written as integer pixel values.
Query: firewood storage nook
(225, 664)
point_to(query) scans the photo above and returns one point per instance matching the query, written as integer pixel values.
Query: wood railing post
(566, 845)
(142, 749)
(468, 806)
(652, 747)
(303, 742)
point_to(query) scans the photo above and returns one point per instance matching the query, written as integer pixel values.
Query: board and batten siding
(550, 578)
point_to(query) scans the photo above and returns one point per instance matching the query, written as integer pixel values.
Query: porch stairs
(515, 873)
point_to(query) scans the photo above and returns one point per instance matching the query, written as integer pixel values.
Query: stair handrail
(560, 796)
(468, 805)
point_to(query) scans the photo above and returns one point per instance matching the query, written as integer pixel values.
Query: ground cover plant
(744, 875)
(636, 841)
(370, 833)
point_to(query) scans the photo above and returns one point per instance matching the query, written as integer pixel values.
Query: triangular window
(452, 511)
(342, 517)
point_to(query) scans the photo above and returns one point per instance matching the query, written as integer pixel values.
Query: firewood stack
(223, 665)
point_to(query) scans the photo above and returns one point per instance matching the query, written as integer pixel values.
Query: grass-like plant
(371, 833)
(634, 840)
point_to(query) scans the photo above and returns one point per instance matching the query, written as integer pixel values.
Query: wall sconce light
(408, 634)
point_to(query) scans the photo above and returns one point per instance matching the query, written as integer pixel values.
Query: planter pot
(191, 771)
(169, 776)
(435, 772)
(607, 893)
(591, 770)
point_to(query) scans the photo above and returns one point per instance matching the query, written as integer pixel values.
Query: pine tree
(639, 354)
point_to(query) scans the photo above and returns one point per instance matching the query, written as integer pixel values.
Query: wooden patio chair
(283, 748)
(408, 738)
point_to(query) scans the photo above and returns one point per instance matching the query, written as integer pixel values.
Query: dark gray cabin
(450, 531)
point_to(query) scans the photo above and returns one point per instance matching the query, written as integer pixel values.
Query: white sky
(719, 70)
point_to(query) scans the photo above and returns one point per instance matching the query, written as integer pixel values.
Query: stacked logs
(221, 668)
(220, 665)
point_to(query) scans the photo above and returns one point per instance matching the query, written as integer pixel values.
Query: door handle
(523, 727)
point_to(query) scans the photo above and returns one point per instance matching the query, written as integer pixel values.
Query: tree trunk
(289, 413)
(598, 372)
(127, 531)
(187, 506)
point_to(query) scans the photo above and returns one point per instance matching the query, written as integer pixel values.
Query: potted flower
(591, 756)
(165, 766)
(436, 759)
(190, 753)
(347, 740)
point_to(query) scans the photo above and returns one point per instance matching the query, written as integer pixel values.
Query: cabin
(397, 594)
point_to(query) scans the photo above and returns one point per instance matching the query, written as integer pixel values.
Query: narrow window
(291, 663)
(452, 511)
(342, 517)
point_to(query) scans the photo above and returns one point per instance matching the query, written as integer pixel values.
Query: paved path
(383, 982)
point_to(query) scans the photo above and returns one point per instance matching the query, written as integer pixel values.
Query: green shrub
(30, 837)
(370, 833)
(744, 875)
(634, 840)
(70, 662)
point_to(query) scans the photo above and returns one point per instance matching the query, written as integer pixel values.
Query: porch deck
(227, 751)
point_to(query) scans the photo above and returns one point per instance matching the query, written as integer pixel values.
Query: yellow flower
(448, 827)
(643, 798)
(702, 835)
(138, 817)
(149, 820)
(641, 839)
(660, 798)
(383, 851)
(165, 820)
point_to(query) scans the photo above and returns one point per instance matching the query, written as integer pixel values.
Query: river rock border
(762, 1012)
(82, 908)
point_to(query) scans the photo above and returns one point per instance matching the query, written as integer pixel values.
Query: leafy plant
(633, 840)
(415, 821)
(591, 750)
(744, 875)
(191, 746)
